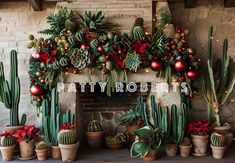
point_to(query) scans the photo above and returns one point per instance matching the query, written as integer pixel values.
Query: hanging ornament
(102, 58)
(42, 81)
(84, 46)
(120, 51)
(39, 99)
(103, 42)
(180, 66)
(100, 49)
(109, 65)
(38, 56)
(156, 65)
(192, 74)
(36, 90)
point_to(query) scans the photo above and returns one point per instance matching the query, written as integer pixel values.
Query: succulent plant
(67, 137)
(217, 139)
(94, 126)
(41, 145)
(117, 139)
(186, 142)
(7, 140)
(132, 61)
(80, 58)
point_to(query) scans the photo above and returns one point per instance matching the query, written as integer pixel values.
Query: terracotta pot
(200, 143)
(226, 130)
(7, 153)
(116, 146)
(151, 156)
(27, 149)
(95, 139)
(69, 152)
(218, 152)
(55, 152)
(185, 150)
(171, 150)
(13, 129)
(41, 154)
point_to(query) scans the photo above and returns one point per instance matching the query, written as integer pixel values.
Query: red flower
(48, 57)
(139, 47)
(28, 133)
(200, 128)
(67, 126)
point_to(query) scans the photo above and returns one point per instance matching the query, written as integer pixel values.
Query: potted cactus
(41, 150)
(218, 86)
(27, 138)
(10, 94)
(68, 143)
(95, 134)
(185, 147)
(217, 145)
(52, 118)
(117, 141)
(7, 146)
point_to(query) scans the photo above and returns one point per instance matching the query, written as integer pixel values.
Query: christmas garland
(88, 41)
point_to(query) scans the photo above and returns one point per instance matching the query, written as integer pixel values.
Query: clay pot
(69, 152)
(200, 143)
(171, 150)
(151, 156)
(27, 149)
(218, 152)
(41, 154)
(226, 131)
(185, 150)
(115, 146)
(95, 139)
(55, 152)
(7, 153)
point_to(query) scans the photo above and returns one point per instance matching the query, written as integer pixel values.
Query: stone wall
(17, 20)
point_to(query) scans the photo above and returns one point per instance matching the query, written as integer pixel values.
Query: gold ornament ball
(31, 37)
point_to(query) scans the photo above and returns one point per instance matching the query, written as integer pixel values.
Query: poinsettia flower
(67, 126)
(139, 47)
(199, 128)
(28, 133)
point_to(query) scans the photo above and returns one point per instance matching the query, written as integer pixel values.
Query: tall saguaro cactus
(10, 90)
(218, 84)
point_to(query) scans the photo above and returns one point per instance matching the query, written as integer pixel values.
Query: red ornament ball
(84, 46)
(42, 81)
(192, 74)
(180, 66)
(120, 51)
(39, 99)
(36, 90)
(156, 65)
(103, 42)
(38, 56)
(100, 49)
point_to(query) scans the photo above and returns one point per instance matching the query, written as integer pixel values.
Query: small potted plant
(185, 147)
(117, 141)
(200, 132)
(41, 150)
(7, 146)
(148, 142)
(217, 145)
(68, 143)
(26, 138)
(95, 134)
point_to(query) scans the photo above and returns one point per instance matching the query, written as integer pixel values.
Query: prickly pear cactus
(94, 126)
(80, 58)
(217, 139)
(67, 137)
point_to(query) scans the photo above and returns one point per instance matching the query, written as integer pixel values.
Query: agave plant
(95, 22)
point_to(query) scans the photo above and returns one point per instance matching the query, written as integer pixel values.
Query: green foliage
(217, 140)
(52, 118)
(95, 22)
(131, 117)
(80, 58)
(165, 18)
(138, 33)
(148, 138)
(59, 22)
(117, 139)
(10, 90)
(218, 84)
(94, 126)
(41, 145)
(132, 61)
(7, 141)
(67, 137)
(160, 41)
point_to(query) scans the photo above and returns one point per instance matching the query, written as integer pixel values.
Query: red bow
(47, 57)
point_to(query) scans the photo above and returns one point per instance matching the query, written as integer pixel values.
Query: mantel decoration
(91, 42)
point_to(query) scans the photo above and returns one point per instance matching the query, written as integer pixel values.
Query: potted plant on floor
(95, 134)
(218, 86)
(217, 145)
(117, 141)
(52, 118)
(185, 147)
(148, 142)
(200, 132)
(68, 143)
(27, 138)
(41, 150)
(7, 146)
(10, 95)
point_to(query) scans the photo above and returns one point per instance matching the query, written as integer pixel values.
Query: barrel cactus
(7, 140)
(117, 139)
(94, 126)
(138, 33)
(67, 137)
(41, 145)
(217, 139)
(10, 91)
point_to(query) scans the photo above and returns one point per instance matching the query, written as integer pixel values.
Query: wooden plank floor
(122, 156)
